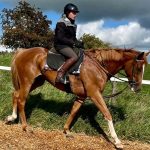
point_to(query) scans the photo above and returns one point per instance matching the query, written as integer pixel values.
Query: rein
(115, 94)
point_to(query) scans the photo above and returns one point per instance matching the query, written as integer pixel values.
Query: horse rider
(65, 39)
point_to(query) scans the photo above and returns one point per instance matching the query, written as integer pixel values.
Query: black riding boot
(64, 69)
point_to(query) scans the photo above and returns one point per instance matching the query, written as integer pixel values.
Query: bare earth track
(13, 138)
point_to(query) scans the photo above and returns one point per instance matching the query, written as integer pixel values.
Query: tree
(25, 26)
(90, 41)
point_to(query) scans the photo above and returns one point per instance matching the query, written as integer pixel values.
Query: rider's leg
(71, 59)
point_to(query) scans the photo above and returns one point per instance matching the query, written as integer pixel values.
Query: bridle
(131, 82)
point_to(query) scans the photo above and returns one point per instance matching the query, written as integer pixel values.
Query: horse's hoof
(119, 146)
(9, 120)
(24, 128)
(28, 130)
(68, 134)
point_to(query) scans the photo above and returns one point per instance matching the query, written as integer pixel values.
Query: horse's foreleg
(100, 103)
(10, 119)
(114, 135)
(76, 106)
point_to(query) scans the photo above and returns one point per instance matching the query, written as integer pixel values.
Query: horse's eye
(139, 69)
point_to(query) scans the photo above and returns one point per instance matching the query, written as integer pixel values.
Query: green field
(48, 108)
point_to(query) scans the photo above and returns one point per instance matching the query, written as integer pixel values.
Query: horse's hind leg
(21, 107)
(10, 119)
(23, 93)
(76, 106)
(19, 100)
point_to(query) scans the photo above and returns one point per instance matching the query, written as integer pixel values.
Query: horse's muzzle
(135, 87)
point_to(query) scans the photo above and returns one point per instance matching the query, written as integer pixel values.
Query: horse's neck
(113, 67)
(112, 60)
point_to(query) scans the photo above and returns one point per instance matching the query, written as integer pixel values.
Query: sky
(122, 23)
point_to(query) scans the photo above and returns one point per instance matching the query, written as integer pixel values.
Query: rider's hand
(79, 44)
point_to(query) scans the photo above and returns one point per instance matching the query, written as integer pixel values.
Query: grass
(49, 108)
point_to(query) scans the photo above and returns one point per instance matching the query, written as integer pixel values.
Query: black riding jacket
(65, 33)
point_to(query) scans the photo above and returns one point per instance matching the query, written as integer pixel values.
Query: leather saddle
(56, 60)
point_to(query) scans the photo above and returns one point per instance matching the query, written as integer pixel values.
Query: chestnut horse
(97, 67)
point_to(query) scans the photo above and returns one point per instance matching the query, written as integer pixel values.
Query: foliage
(90, 41)
(25, 26)
(5, 58)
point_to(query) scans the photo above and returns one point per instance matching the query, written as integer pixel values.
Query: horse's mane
(108, 54)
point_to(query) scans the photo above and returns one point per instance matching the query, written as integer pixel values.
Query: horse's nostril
(138, 90)
(135, 88)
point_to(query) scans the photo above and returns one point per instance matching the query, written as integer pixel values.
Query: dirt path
(13, 138)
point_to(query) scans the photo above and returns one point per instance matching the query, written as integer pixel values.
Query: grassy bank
(48, 108)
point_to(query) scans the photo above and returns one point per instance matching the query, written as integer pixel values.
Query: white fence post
(117, 80)
(5, 68)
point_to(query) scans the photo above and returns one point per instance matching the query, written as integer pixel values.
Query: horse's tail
(15, 79)
(14, 72)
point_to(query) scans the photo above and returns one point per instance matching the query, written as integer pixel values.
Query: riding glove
(78, 44)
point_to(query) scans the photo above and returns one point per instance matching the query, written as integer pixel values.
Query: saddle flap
(55, 60)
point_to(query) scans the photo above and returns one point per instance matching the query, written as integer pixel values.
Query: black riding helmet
(70, 8)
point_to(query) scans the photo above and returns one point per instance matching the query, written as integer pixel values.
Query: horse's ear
(140, 56)
(147, 53)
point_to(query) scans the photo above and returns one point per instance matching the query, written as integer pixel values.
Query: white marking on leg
(13, 116)
(113, 133)
(143, 71)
